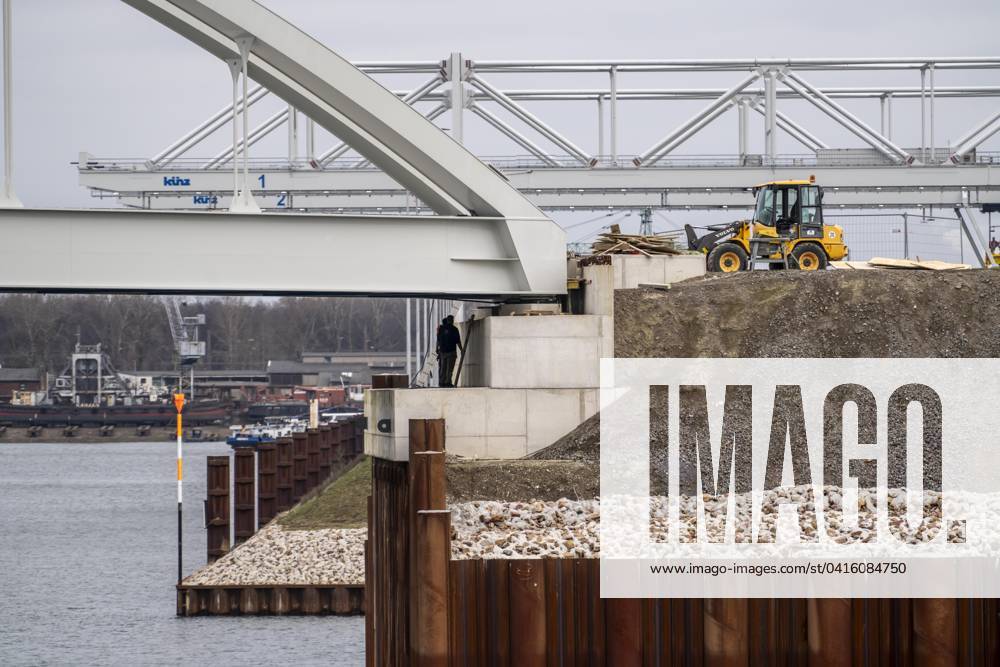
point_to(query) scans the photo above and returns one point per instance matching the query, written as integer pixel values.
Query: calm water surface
(88, 560)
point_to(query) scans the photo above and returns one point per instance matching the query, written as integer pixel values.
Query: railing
(831, 158)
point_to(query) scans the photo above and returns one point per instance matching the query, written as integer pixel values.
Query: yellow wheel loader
(786, 231)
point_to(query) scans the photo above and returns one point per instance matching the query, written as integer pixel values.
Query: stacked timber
(616, 243)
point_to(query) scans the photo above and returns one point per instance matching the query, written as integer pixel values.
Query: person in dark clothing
(449, 342)
(437, 351)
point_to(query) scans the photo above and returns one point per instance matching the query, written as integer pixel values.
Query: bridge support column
(8, 199)
(243, 202)
(456, 74)
(770, 107)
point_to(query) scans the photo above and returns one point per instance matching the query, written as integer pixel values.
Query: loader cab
(792, 208)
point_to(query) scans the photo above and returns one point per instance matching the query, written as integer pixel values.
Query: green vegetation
(341, 504)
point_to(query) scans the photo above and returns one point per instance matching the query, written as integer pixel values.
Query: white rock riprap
(571, 528)
(554, 529)
(275, 556)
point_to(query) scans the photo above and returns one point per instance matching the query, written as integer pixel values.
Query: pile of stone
(294, 557)
(571, 528)
(554, 529)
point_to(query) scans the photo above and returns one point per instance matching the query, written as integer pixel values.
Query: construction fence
(911, 236)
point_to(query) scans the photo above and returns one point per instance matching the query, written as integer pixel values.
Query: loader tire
(808, 257)
(727, 258)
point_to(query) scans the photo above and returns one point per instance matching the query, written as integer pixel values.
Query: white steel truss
(486, 239)
(882, 173)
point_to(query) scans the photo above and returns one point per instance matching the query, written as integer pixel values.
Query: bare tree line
(40, 330)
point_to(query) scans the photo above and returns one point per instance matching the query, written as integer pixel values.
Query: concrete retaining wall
(481, 422)
(537, 352)
(628, 271)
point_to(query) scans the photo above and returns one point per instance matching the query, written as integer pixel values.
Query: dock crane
(184, 331)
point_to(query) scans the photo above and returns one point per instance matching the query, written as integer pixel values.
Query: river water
(88, 561)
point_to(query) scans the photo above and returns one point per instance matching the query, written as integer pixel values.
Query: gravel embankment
(294, 557)
(571, 529)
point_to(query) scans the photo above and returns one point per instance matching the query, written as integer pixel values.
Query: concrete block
(545, 362)
(466, 446)
(628, 271)
(464, 414)
(542, 326)
(479, 422)
(531, 352)
(506, 413)
(599, 290)
(506, 447)
(552, 414)
(631, 270)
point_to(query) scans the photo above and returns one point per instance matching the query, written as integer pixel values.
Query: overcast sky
(96, 75)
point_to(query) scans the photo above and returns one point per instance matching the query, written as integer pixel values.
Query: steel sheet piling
(245, 497)
(312, 459)
(267, 490)
(300, 472)
(935, 632)
(217, 507)
(829, 622)
(284, 485)
(325, 440)
(527, 614)
(726, 627)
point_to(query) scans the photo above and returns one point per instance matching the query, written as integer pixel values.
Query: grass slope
(342, 504)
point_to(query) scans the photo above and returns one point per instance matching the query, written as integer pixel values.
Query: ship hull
(125, 415)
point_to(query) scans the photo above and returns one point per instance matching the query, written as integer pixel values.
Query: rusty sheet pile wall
(271, 477)
(263, 484)
(426, 609)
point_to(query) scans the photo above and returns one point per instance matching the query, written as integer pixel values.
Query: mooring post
(325, 440)
(267, 483)
(345, 428)
(430, 546)
(312, 459)
(369, 595)
(284, 485)
(336, 450)
(359, 436)
(300, 473)
(217, 511)
(245, 498)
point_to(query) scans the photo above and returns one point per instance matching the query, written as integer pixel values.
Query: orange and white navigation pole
(179, 404)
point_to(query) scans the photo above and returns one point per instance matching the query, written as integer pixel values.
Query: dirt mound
(824, 314)
(797, 314)
(580, 444)
(521, 480)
